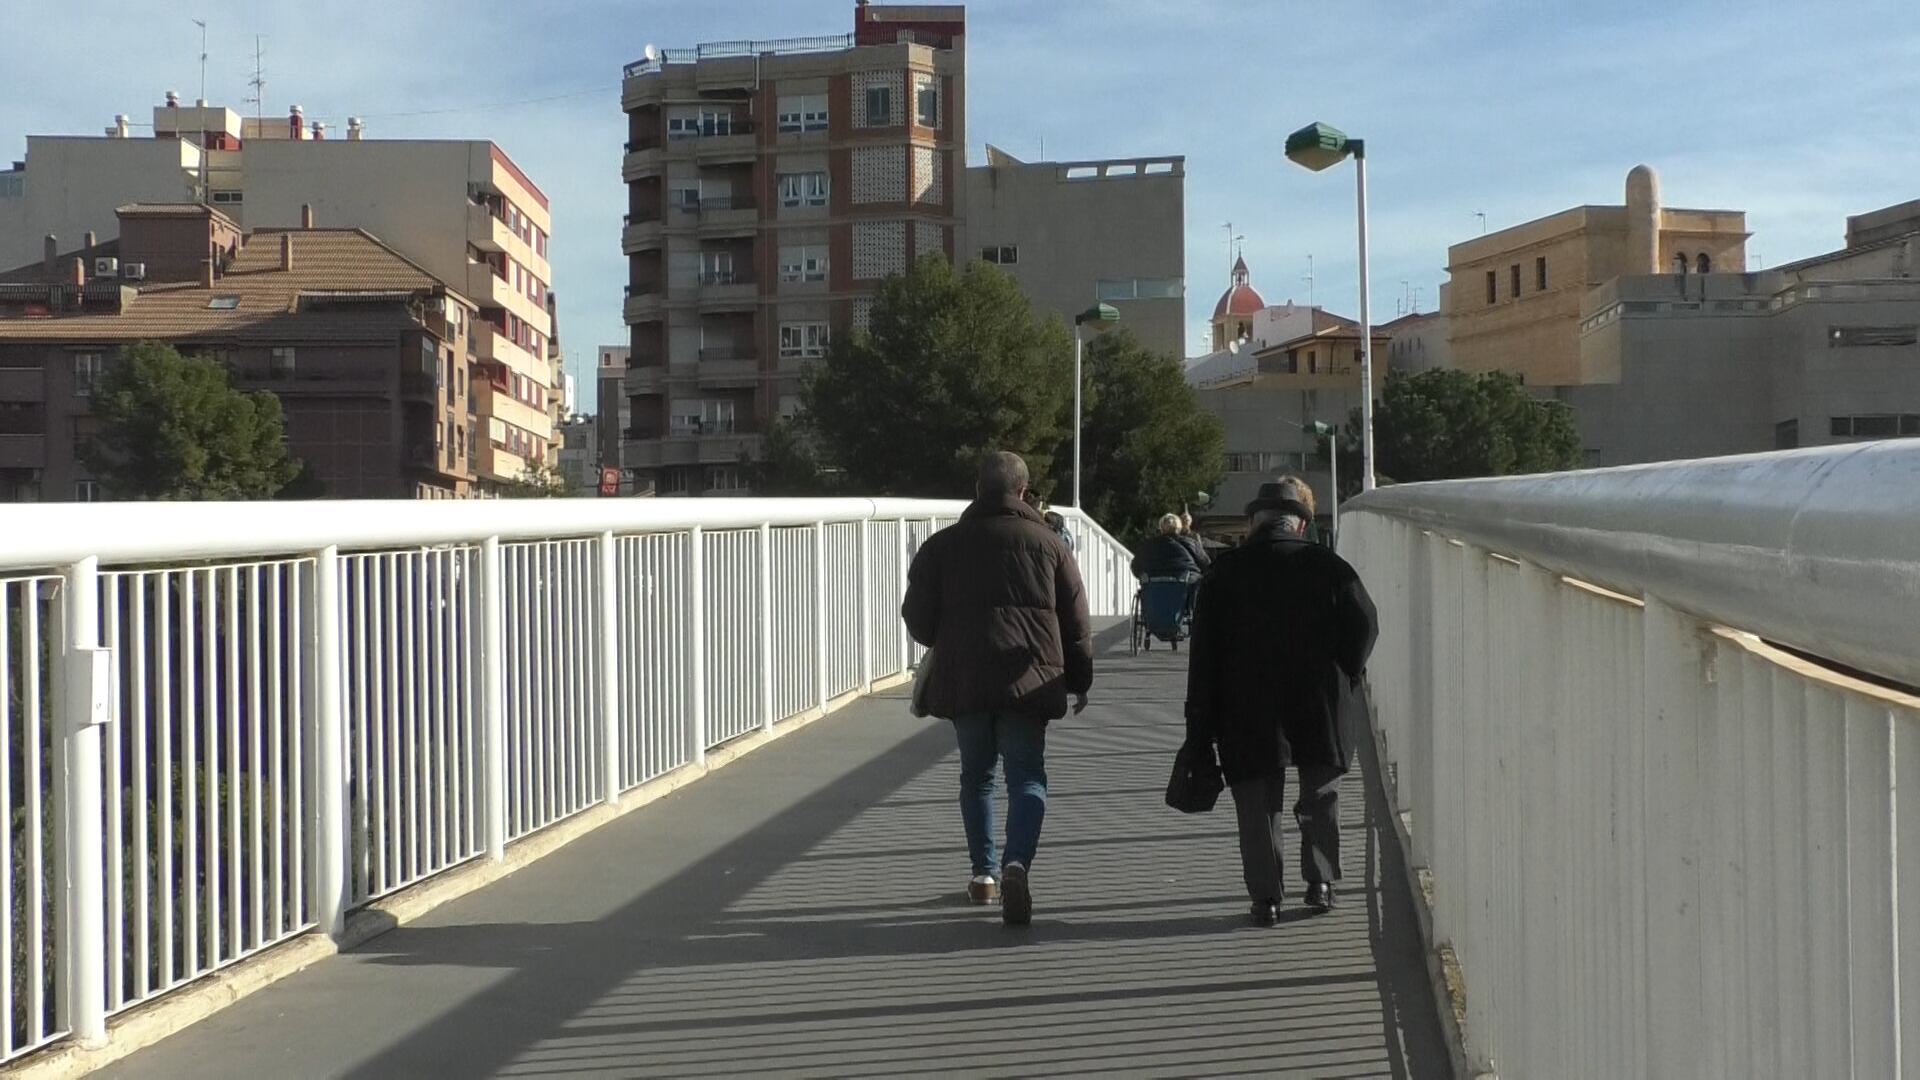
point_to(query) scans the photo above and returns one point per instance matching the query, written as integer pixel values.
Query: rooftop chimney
(319, 131)
(50, 255)
(173, 99)
(353, 128)
(206, 273)
(87, 244)
(286, 251)
(296, 123)
(120, 126)
(199, 103)
(306, 215)
(77, 272)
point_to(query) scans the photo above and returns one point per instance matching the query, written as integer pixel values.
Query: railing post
(900, 624)
(820, 612)
(80, 989)
(327, 745)
(609, 669)
(493, 699)
(866, 606)
(697, 647)
(1670, 879)
(767, 664)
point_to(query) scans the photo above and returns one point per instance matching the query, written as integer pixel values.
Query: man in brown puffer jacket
(998, 599)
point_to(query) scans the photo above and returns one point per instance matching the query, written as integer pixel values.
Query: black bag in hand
(1196, 783)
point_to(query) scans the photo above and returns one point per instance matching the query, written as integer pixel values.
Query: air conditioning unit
(134, 271)
(106, 267)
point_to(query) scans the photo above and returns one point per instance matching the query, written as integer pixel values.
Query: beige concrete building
(460, 208)
(1074, 233)
(1514, 296)
(771, 185)
(1418, 342)
(1819, 351)
(613, 414)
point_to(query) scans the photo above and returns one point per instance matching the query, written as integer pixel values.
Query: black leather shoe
(1320, 897)
(1266, 912)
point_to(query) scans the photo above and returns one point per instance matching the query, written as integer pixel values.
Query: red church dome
(1240, 298)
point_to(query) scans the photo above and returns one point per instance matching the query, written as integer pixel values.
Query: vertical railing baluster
(609, 599)
(493, 701)
(326, 748)
(80, 992)
(697, 646)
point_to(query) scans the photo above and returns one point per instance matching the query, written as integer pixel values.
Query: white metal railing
(228, 724)
(1661, 841)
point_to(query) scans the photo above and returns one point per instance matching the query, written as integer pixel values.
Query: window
(1139, 289)
(926, 104)
(1540, 273)
(800, 340)
(1513, 279)
(1703, 264)
(673, 482)
(803, 189)
(539, 242)
(87, 367)
(716, 268)
(1493, 287)
(803, 262)
(683, 127)
(1679, 262)
(281, 366)
(1851, 336)
(802, 112)
(1004, 255)
(716, 122)
(226, 197)
(686, 196)
(725, 478)
(709, 417)
(1786, 435)
(879, 106)
(86, 491)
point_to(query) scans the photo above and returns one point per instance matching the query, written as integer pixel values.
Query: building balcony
(737, 147)
(23, 451)
(654, 379)
(736, 373)
(679, 449)
(488, 289)
(489, 233)
(641, 234)
(642, 307)
(727, 290)
(734, 215)
(419, 386)
(642, 162)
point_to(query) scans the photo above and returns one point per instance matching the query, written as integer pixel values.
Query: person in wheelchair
(1170, 554)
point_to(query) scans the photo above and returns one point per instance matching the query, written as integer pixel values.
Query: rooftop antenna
(1229, 227)
(258, 82)
(1482, 215)
(1309, 280)
(202, 24)
(1406, 297)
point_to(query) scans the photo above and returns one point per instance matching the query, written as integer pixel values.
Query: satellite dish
(651, 52)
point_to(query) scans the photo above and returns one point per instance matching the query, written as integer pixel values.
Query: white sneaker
(983, 889)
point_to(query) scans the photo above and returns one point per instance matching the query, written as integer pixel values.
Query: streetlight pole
(1366, 339)
(1099, 315)
(1318, 146)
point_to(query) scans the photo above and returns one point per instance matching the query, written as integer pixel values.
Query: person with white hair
(1282, 630)
(1168, 554)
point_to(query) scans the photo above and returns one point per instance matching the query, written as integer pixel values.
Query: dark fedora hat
(1274, 495)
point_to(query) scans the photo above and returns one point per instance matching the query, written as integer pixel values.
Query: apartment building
(1513, 297)
(1074, 233)
(771, 185)
(613, 414)
(366, 350)
(461, 209)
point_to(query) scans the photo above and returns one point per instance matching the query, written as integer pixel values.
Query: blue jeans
(1022, 742)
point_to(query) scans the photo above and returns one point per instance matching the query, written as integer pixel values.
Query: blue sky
(1798, 113)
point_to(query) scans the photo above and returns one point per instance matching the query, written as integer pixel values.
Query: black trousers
(1257, 805)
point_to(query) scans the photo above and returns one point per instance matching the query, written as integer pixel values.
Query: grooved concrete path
(799, 913)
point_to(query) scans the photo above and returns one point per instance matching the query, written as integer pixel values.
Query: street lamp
(1318, 147)
(1099, 315)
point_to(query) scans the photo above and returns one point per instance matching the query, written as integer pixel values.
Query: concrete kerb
(1444, 974)
(146, 1024)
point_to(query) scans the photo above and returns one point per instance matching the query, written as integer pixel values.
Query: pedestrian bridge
(418, 789)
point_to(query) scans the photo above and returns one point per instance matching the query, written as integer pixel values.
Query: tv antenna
(202, 24)
(1309, 280)
(259, 81)
(1482, 215)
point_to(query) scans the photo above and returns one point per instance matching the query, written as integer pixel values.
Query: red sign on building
(609, 481)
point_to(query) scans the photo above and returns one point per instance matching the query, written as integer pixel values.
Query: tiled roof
(273, 304)
(1239, 300)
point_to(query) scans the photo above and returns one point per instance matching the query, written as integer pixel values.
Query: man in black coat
(1281, 635)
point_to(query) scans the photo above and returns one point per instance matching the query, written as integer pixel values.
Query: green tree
(172, 427)
(789, 463)
(537, 480)
(1443, 425)
(955, 364)
(1148, 446)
